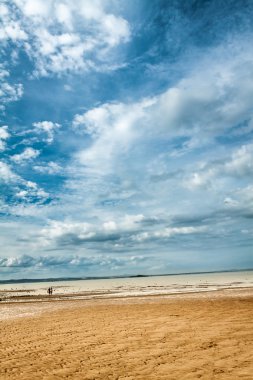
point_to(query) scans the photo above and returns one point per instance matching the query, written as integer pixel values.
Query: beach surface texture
(196, 336)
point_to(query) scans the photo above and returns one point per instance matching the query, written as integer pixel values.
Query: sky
(126, 137)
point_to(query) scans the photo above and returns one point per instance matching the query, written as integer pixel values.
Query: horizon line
(58, 279)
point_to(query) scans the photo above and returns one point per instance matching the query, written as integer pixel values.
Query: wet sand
(206, 336)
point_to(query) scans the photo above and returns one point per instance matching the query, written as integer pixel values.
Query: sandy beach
(207, 336)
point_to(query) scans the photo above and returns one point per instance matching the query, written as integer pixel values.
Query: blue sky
(125, 137)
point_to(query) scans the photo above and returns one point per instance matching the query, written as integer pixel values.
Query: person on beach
(50, 291)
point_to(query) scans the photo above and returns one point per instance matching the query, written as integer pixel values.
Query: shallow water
(122, 287)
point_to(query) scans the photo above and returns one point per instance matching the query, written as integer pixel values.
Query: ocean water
(125, 287)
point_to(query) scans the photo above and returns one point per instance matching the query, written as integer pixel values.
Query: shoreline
(79, 296)
(49, 304)
(125, 287)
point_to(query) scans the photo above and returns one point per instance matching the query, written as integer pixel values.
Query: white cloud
(25, 190)
(73, 232)
(47, 127)
(3, 10)
(26, 196)
(117, 233)
(32, 192)
(4, 135)
(201, 179)
(70, 261)
(31, 185)
(34, 8)
(110, 226)
(6, 173)
(8, 92)
(58, 229)
(168, 232)
(209, 102)
(10, 28)
(238, 165)
(21, 261)
(22, 194)
(63, 15)
(63, 36)
(116, 29)
(12, 32)
(4, 132)
(113, 128)
(27, 155)
(241, 163)
(171, 231)
(131, 222)
(48, 168)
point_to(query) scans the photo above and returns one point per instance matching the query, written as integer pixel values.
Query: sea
(26, 290)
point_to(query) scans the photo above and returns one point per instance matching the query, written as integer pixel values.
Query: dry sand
(182, 337)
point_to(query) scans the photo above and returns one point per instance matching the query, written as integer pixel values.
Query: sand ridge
(174, 338)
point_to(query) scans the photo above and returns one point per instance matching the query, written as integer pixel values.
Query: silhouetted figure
(50, 291)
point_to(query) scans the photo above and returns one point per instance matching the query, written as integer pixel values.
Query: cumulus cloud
(239, 165)
(20, 188)
(74, 233)
(22, 261)
(32, 193)
(6, 173)
(118, 234)
(8, 92)
(10, 27)
(73, 261)
(47, 127)
(27, 155)
(63, 36)
(113, 129)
